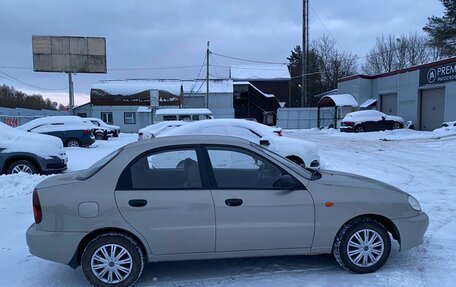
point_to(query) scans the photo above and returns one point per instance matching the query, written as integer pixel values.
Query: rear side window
(169, 169)
(169, 118)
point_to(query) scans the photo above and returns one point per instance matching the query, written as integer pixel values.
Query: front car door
(163, 195)
(252, 214)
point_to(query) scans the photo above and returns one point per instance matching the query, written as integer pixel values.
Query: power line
(247, 60)
(18, 81)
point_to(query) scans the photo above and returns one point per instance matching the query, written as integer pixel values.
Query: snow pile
(14, 140)
(18, 184)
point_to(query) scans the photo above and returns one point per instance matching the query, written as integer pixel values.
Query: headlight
(414, 203)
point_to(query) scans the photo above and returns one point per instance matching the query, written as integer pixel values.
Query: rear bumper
(347, 129)
(54, 246)
(411, 230)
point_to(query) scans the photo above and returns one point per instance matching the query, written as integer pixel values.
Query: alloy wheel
(365, 248)
(111, 263)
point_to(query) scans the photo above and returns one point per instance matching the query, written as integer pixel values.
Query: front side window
(129, 118)
(174, 169)
(169, 118)
(107, 117)
(241, 170)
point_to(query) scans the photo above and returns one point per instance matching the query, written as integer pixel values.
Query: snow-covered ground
(421, 163)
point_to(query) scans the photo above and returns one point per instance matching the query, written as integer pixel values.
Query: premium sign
(438, 74)
(69, 54)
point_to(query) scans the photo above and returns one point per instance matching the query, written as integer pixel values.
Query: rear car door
(252, 214)
(163, 195)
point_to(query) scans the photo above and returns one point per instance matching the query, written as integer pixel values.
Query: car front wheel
(359, 129)
(362, 246)
(112, 260)
(100, 136)
(21, 166)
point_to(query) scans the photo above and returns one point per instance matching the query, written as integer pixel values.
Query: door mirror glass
(264, 142)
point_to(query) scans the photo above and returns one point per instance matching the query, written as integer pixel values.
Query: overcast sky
(150, 34)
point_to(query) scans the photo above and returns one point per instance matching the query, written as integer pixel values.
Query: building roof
(341, 100)
(368, 103)
(260, 72)
(129, 87)
(258, 90)
(414, 68)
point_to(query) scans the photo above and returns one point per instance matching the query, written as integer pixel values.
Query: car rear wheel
(21, 166)
(73, 143)
(396, 126)
(362, 246)
(100, 136)
(112, 260)
(359, 129)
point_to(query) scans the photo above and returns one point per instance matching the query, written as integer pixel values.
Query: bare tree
(332, 63)
(392, 53)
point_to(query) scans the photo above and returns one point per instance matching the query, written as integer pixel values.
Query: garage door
(432, 108)
(389, 104)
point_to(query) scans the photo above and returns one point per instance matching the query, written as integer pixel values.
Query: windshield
(306, 173)
(96, 167)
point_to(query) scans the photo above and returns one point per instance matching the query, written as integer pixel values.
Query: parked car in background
(449, 124)
(30, 153)
(370, 121)
(158, 128)
(112, 130)
(298, 150)
(100, 133)
(72, 130)
(187, 115)
(207, 197)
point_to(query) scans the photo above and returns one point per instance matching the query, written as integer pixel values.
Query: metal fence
(304, 118)
(19, 116)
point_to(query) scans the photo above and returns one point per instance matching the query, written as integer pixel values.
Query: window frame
(133, 118)
(125, 179)
(210, 169)
(107, 114)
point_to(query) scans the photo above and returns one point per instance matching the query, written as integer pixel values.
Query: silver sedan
(203, 197)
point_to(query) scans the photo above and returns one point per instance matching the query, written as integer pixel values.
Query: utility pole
(208, 52)
(305, 51)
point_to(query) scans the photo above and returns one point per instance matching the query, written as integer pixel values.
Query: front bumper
(54, 165)
(54, 246)
(411, 230)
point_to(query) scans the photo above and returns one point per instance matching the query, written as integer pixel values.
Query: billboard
(69, 54)
(438, 74)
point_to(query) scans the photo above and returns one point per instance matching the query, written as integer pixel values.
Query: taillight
(347, 123)
(87, 131)
(280, 133)
(37, 213)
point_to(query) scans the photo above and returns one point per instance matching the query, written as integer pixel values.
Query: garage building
(424, 94)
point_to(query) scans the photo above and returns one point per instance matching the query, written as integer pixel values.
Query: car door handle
(137, 202)
(234, 202)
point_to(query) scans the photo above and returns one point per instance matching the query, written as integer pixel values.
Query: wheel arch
(76, 260)
(386, 222)
(14, 158)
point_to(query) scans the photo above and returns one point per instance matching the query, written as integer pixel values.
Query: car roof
(190, 139)
(183, 112)
(223, 122)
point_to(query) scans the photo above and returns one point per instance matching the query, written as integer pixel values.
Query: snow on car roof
(366, 114)
(14, 140)
(266, 72)
(52, 119)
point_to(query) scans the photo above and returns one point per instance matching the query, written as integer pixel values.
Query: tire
(396, 126)
(127, 273)
(359, 129)
(359, 261)
(22, 166)
(73, 143)
(100, 136)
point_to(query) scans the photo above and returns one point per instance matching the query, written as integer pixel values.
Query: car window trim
(211, 175)
(126, 173)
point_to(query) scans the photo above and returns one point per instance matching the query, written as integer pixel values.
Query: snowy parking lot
(421, 163)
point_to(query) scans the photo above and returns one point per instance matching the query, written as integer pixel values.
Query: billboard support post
(71, 92)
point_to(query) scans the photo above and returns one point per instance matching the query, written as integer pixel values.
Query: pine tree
(442, 30)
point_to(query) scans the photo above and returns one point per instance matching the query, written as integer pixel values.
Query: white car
(112, 130)
(158, 128)
(297, 150)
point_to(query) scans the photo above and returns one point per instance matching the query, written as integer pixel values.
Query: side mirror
(383, 118)
(264, 142)
(287, 182)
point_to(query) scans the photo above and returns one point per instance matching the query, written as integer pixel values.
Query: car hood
(338, 178)
(286, 146)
